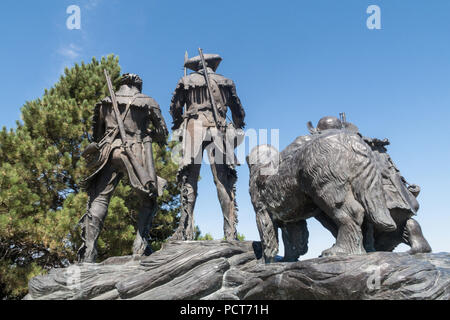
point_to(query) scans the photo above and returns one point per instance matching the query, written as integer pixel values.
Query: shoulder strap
(127, 109)
(113, 134)
(129, 105)
(217, 96)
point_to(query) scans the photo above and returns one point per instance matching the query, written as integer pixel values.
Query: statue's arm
(375, 142)
(236, 108)
(177, 104)
(160, 132)
(98, 122)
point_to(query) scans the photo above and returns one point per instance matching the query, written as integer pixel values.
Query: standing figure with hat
(199, 109)
(122, 146)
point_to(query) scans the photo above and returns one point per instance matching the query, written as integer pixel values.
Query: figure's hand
(153, 192)
(239, 124)
(159, 135)
(414, 189)
(125, 145)
(379, 142)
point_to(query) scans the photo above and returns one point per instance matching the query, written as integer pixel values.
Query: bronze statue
(400, 197)
(402, 203)
(199, 108)
(122, 145)
(335, 176)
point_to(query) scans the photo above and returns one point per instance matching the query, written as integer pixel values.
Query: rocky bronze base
(223, 270)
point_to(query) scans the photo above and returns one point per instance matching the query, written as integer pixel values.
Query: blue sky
(292, 61)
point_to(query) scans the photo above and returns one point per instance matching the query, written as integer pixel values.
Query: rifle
(343, 118)
(208, 83)
(142, 174)
(185, 121)
(148, 149)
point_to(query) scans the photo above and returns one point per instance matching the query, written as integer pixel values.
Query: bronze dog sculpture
(335, 176)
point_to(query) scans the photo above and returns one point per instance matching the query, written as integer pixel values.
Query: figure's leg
(414, 237)
(268, 232)
(348, 218)
(327, 223)
(189, 180)
(188, 177)
(366, 228)
(368, 236)
(141, 245)
(100, 192)
(388, 241)
(408, 232)
(295, 239)
(225, 177)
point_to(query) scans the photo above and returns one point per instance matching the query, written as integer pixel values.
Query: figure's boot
(229, 219)
(91, 231)
(414, 237)
(226, 190)
(295, 239)
(229, 210)
(141, 245)
(186, 230)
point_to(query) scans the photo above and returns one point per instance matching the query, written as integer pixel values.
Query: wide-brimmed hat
(213, 61)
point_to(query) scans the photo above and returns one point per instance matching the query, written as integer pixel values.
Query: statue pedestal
(222, 270)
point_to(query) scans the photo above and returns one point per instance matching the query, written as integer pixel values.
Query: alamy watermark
(73, 278)
(230, 146)
(73, 22)
(374, 20)
(379, 278)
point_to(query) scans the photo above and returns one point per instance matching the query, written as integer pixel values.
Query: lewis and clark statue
(122, 146)
(346, 181)
(199, 110)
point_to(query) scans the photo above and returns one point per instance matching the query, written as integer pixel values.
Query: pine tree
(198, 236)
(41, 168)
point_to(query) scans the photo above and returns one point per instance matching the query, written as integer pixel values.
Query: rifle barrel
(142, 174)
(213, 102)
(115, 106)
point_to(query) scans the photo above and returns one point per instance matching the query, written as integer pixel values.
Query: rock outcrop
(221, 270)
